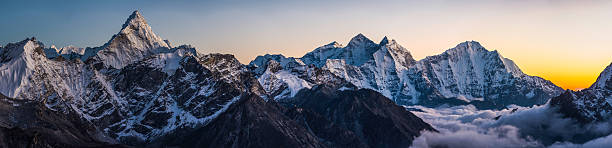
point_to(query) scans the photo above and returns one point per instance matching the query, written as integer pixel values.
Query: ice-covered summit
(135, 41)
(137, 29)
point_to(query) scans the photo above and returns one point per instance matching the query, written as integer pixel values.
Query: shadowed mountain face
(31, 124)
(372, 118)
(137, 90)
(250, 122)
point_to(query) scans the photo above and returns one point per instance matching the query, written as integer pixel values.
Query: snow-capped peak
(134, 19)
(137, 25)
(135, 41)
(604, 80)
(476, 53)
(360, 41)
(470, 45)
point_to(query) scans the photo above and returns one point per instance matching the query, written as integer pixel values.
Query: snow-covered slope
(384, 72)
(472, 73)
(466, 74)
(283, 77)
(17, 62)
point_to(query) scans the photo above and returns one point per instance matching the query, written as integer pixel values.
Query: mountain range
(137, 90)
(465, 74)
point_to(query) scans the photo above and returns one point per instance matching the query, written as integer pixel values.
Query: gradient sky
(567, 42)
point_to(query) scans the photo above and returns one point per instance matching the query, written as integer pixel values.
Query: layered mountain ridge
(465, 74)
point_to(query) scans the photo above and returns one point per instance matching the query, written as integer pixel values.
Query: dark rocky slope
(31, 124)
(375, 120)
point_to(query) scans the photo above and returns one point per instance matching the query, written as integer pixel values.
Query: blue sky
(565, 41)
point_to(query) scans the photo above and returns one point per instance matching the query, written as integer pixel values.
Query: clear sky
(567, 42)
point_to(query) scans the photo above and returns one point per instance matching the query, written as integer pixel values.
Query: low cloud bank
(538, 126)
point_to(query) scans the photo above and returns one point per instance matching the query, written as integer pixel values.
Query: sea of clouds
(537, 126)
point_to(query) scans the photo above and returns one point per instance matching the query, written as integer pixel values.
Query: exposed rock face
(588, 105)
(375, 120)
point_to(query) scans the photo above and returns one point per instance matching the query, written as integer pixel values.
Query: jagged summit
(15, 50)
(134, 18)
(333, 44)
(135, 41)
(359, 41)
(137, 25)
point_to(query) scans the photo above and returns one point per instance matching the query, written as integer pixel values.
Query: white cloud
(466, 126)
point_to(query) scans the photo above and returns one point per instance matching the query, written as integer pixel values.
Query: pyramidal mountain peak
(135, 41)
(137, 29)
(134, 18)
